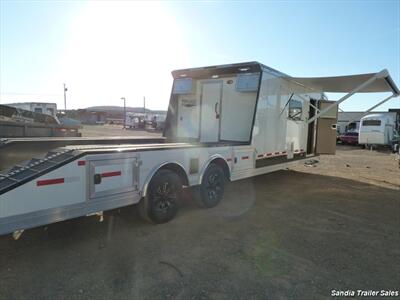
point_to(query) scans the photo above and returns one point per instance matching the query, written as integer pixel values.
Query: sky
(105, 50)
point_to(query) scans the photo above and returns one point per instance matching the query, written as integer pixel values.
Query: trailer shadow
(282, 235)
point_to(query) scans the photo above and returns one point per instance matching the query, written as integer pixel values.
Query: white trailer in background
(377, 129)
(224, 122)
(37, 107)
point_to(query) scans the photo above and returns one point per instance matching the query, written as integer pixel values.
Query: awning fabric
(346, 84)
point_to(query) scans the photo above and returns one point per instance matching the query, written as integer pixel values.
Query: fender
(209, 161)
(154, 171)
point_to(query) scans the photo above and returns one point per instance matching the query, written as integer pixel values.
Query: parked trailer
(18, 122)
(224, 122)
(37, 107)
(377, 129)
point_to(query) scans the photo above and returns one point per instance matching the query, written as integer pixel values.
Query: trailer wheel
(161, 202)
(211, 190)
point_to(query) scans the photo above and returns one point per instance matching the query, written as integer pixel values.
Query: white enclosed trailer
(37, 107)
(377, 129)
(224, 122)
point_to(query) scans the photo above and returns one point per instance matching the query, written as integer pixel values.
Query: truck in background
(135, 120)
(149, 121)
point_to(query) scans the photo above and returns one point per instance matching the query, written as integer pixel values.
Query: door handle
(216, 110)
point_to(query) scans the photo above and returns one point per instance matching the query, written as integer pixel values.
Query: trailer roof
(245, 67)
(336, 84)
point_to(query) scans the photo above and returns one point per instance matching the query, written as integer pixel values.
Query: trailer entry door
(188, 117)
(211, 94)
(326, 129)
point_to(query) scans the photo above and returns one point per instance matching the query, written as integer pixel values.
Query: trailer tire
(164, 194)
(211, 190)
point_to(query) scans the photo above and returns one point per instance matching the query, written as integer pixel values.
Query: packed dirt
(292, 234)
(114, 130)
(379, 167)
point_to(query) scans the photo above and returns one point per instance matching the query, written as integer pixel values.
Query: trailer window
(182, 86)
(247, 82)
(295, 109)
(371, 123)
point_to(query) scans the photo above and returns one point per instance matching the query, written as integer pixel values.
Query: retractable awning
(345, 84)
(362, 83)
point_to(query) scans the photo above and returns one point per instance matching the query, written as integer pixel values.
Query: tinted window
(371, 123)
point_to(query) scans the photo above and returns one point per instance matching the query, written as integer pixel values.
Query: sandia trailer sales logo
(365, 293)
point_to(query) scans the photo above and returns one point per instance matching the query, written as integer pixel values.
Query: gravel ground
(293, 234)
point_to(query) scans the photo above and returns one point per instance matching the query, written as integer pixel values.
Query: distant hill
(121, 109)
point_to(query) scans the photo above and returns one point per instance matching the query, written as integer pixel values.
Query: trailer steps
(19, 174)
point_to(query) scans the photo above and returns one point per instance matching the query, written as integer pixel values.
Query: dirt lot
(114, 130)
(379, 167)
(294, 234)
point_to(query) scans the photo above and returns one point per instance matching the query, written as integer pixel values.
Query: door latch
(97, 178)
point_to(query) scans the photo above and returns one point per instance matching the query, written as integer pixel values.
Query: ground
(296, 234)
(114, 130)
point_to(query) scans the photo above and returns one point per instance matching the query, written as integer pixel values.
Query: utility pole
(65, 99)
(144, 105)
(123, 98)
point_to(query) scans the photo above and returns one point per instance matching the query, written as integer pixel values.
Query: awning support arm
(373, 107)
(381, 74)
(316, 108)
